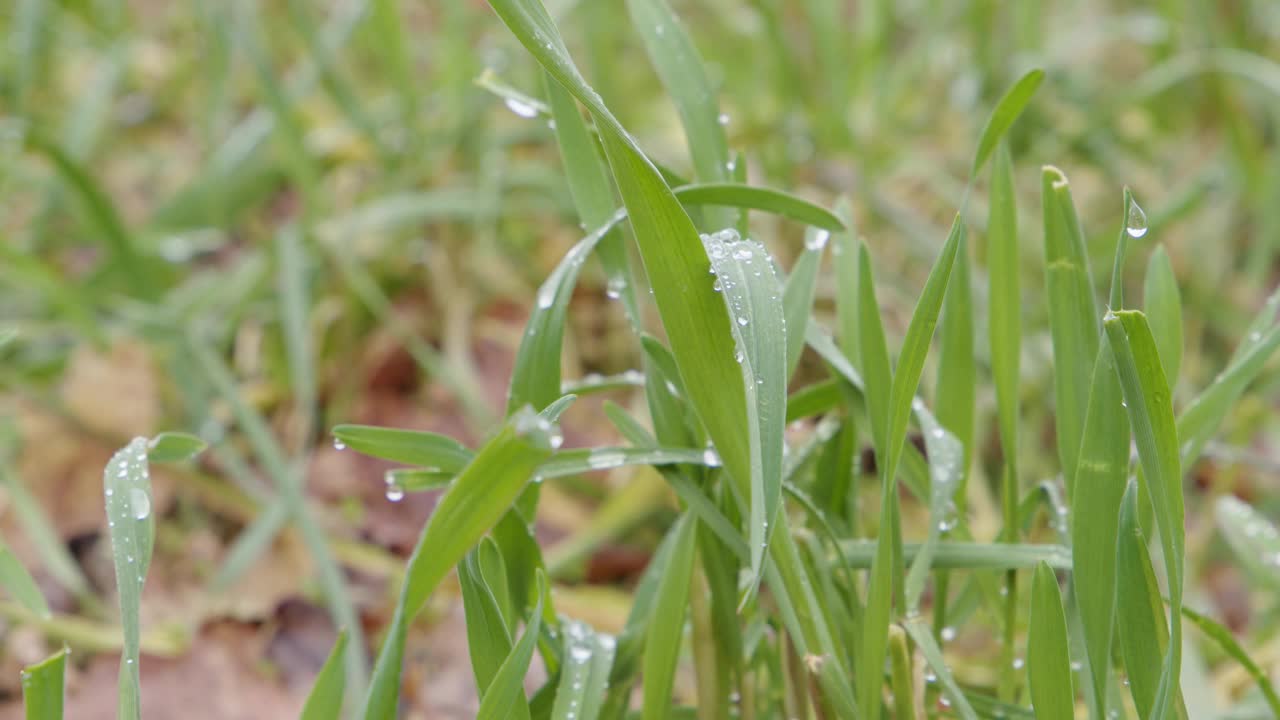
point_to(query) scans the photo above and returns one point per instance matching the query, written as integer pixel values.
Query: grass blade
(325, 700)
(1162, 303)
(505, 700)
(963, 555)
(1253, 539)
(585, 676)
(1073, 317)
(408, 447)
(488, 634)
(1202, 416)
(1048, 658)
(946, 470)
(1099, 488)
(1225, 640)
(1146, 392)
(42, 692)
(751, 197)
(173, 447)
(477, 499)
(920, 633)
(131, 525)
(1143, 633)
(797, 296)
(665, 632)
(15, 580)
(1004, 315)
(1006, 111)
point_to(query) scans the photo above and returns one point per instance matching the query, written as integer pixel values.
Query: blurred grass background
(257, 219)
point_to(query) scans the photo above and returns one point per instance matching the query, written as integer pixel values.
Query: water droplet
(742, 253)
(139, 503)
(1018, 663)
(339, 445)
(546, 296)
(742, 320)
(605, 459)
(395, 493)
(710, 458)
(930, 678)
(723, 119)
(613, 289)
(1255, 336)
(817, 239)
(737, 355)
(1076, 666)
(1136, 222)
(948, 634)
(557, 439)
(716, 285)
(521, 108)
(110, 492)
(580, 654)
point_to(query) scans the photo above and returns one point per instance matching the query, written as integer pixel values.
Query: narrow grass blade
(946, 470)
(1202, 416)
(131, 525)
(585, 677)
(1146, 392)
(488, 636)
(665, 632)
(1227, 641)
(797, 296)
(904, 705)
(1140, 619)
(55, 556)
(1006, 111)
(844, 260)
(478, 498)
(753, 296)
(673, 55)
(1004, 317)
(1073, 317)
(1048, 657)
(957, 373)
(1253, 539)
(1100, 483)
(923, 637)
(874, 355)
(1162, 303)
(505, 699)
(42, 692)
(582, 460)
(295, 309)
(751, 197)
(325, 700)
(963, 555)
(673, 421)
(18, 583)
(408, 447)
(173, 447)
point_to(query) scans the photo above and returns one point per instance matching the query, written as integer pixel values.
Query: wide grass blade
(752, 293)
(1048, 657)
(18, 583)
(172, 447)
(665, 632)
(1005, 113)
(1140, 619)
(1073, 317)
(1099, 487)
(1147, 395)
(505, 698)
(1162, 303)
(478, 498)
(584, 678)
(42, 692)
(325, 700)
(131, 526)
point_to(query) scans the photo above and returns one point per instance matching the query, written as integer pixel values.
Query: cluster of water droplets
(129, 465)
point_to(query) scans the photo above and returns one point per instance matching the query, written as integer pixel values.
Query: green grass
(898, 482)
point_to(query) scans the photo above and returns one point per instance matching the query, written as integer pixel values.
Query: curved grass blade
(1006, 111)
(325, 700)
(1146, 392)
(753, 297)
(1048, 657)
(1225, 640)
(1099, 488)
(15, 580)
(1162, 303)
(505, 699)
(752, 197)
(1253, 539)
(923, 637)
(957, 373)
(172, 447)
(1004, 311)
(488, 635)
(478, 498)
(1143, 632)
(42, 692)
(585, 677)
(1073, 317)
(409, 447)
(1201, 418)
(797, 295)
(665, 632)
(131, 525)
(874, 356)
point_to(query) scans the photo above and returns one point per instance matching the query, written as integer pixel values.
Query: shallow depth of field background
(428, 210)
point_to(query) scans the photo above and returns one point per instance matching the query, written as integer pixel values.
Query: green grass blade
(957, 372)
(325, 700)
(844, 260)
(674, 57)
(1253, 539)
(488, 635)
(923, 637)
(946, 470)
(1006, 111)
(42, 691)
(408, 447)
(172, 447)
(1048, 657)
(1146, 392)
(585, 677)
(1162, 303)
(665, 632)
(797, 296)
(478, 498)
(18, 583)
(1099, 487)
(295, 308)
(1227, 641)
(751, 197)
(1202, 416)
(1143, 632)
(1004, 310)
(582, 460)
(873, 354)
(1073, 317)
(131, 525)
(753, 297)
(505, 699)
(38, 527)
(963, 555)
